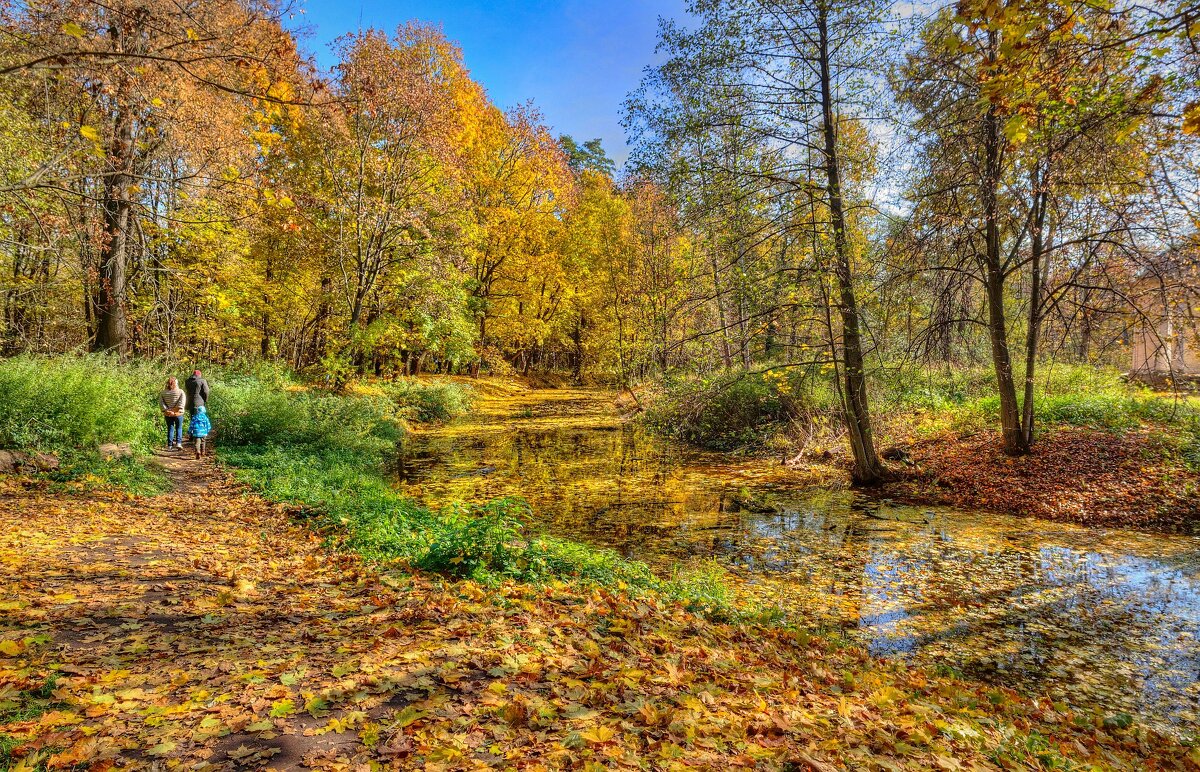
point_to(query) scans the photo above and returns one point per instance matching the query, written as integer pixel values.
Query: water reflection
(1100, 618)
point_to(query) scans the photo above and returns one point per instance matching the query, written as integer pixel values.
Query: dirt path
(203, 630)
(189, 475)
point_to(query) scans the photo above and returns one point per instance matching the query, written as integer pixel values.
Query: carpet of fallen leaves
(1079, 475)
(205, 630)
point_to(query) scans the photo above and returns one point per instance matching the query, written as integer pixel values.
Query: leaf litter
(207, 631)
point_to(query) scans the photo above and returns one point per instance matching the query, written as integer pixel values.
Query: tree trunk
(867, 467)
(1037, 256)
(1010, 417)
(577, 339)
(726, 354)
(321, 322)
(111, 328)
(268, 280)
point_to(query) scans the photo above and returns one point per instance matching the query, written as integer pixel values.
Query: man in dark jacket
(197, 392)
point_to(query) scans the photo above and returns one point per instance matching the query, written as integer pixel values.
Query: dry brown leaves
(205, 631)
(1075, 475)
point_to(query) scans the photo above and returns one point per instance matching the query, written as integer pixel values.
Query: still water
(1103, 619)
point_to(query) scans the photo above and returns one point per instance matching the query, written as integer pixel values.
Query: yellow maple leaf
(599, 734)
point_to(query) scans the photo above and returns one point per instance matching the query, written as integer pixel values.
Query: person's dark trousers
(174, 429)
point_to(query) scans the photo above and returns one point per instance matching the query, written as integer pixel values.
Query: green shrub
(549, 556)
(479, 541)
(732, 411)
(430, 401)
(704, 589)
(1114, 411)
(249, 412)
(71, 405)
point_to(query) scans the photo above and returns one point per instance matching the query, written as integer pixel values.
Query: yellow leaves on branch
(1016, 129)
(1191, 119)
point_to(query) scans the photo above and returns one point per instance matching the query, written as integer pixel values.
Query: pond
(1103, 619)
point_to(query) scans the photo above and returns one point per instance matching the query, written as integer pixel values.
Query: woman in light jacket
(172, 400)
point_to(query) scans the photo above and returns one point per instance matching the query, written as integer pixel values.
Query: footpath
(205, 630)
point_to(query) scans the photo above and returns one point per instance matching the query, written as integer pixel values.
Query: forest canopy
(831, 187)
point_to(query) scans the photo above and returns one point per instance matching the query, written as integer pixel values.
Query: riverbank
(1108, 452)
(206, 629)
(1093, 477)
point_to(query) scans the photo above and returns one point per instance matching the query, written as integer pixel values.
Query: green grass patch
(28, 705)
(69, 406)
(8, 744)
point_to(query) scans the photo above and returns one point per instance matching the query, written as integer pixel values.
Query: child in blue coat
(200, 428)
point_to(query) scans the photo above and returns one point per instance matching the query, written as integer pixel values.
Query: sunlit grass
(771, 410)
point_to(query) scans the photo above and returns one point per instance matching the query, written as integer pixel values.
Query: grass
(69, 406)
(25, 706)
(72, 405)
(8, 744)
(775, 409)
(28, 705)
(429, 400)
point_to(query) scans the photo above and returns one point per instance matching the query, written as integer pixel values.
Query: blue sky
(576, 59)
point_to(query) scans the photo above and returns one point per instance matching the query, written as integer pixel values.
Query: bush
(732, 411)
(249, 412)
(433, 401)
(71, 405)
(703, 589)
(479, 541)
(548, 556)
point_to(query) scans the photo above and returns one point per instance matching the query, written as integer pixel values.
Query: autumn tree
(515, 183)
(122, 70)
(383, 160)
(1028, 115)
(775, 85)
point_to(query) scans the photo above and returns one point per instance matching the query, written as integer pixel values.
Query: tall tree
(125, 60)
(384, 169)
(1026, 111)
(782, 80)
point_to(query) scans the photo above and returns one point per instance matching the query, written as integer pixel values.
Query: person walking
(172, 400)
(199, 427)
(197, 392)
